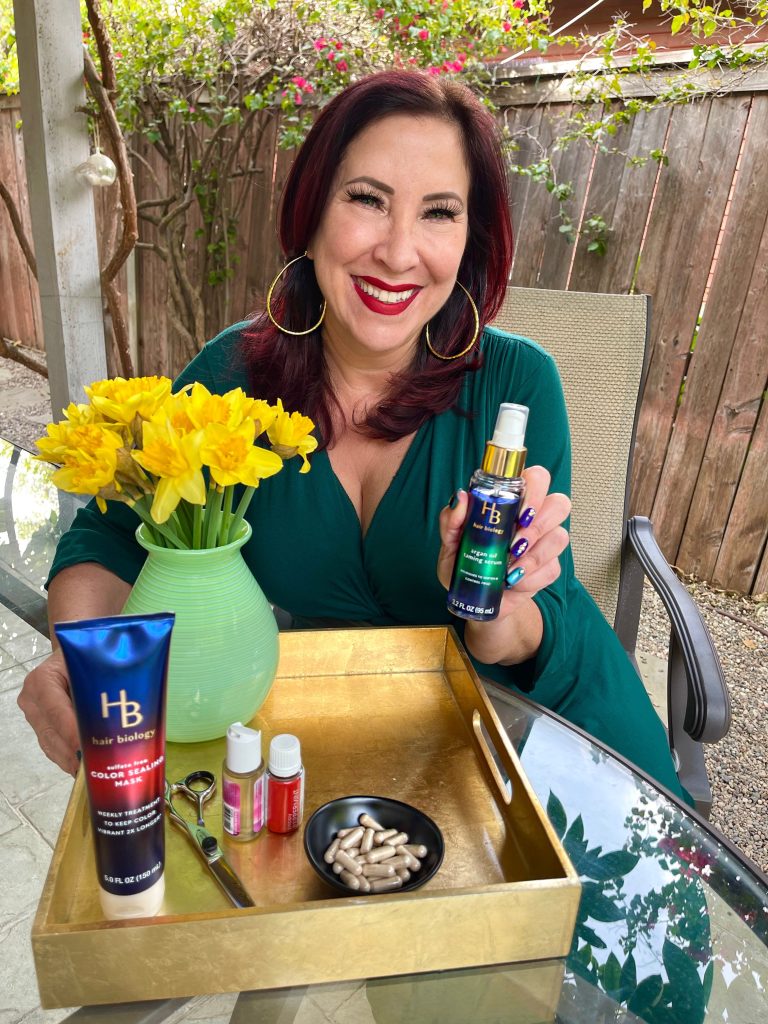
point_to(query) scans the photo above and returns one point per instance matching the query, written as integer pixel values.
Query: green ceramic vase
(224, 647)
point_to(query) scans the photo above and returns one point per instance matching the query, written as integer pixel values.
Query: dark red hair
(293, 368)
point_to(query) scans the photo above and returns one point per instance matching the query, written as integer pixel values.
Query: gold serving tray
(390, 712)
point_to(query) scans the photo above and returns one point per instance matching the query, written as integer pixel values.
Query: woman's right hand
(47, 706)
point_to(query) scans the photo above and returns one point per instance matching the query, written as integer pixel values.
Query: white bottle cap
(284, 755)
(511, 422)
(243, 748)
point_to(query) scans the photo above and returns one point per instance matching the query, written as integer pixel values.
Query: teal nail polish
(515, 576)
(454, 500)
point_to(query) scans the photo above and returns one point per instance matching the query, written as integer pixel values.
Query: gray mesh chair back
(599, 344)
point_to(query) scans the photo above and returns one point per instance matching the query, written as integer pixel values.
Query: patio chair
(600, 344)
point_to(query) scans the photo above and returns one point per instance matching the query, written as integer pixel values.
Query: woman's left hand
(537, 543)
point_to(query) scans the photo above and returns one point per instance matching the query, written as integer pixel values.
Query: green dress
(310, 558)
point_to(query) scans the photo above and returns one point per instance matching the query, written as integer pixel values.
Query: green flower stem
(226, 515)
(240, 511)
(212, 516)
(179, 523)
(161, 530)
(197, 527)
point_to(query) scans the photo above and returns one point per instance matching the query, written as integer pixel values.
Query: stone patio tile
(25, 857)
(19, 998)
(9, 819)
(28, 772)
(208, 1009)
(46, 810)
(12, 626)
(26, 648)
(11, 677)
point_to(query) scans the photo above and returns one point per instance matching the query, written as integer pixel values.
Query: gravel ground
(738, 765)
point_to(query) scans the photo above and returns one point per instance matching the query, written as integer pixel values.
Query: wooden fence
(693, 234)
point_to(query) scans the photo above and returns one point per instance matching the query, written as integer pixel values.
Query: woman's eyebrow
(390, 191)
(372, 181)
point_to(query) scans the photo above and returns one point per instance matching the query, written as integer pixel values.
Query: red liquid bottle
(285, 784)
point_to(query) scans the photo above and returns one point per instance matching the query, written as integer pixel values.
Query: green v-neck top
(308, 553)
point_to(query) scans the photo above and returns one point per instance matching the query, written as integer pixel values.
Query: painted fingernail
(519, 548)
(454, 501)
(515, 576)
(527, 517)
(79, 753)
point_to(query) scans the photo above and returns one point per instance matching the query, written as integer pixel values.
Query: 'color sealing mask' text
(117, 670)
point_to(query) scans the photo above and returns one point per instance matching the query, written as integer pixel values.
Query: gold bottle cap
(504, 462)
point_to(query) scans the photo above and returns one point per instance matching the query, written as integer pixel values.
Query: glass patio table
(673, 921)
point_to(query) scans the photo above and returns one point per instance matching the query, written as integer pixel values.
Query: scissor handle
(197, 796)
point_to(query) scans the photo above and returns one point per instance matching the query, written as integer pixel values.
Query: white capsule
(399, 839)
(346, 862)
(416, 849)
(383, 884)
(383, 836)
(350, 880)
(366, 843)
(369, 822)
(352, 838)
(330, 854)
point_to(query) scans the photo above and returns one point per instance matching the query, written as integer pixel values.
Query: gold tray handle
(485, 730)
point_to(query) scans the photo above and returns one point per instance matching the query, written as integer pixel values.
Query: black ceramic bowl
(322, 827)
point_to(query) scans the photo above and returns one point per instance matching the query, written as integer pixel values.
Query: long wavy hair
(294, 368)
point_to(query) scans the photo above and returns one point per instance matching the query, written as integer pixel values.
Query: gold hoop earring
(474, 336)
(269, 300)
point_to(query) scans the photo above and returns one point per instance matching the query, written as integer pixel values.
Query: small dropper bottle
(285, 784)
(243, 783)
(495, 493)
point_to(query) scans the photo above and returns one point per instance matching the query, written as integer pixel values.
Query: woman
(396, 224)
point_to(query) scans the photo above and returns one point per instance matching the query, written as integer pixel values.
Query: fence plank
(690, 200)
(727, 374)
(523, 125)
(621, 193)
(532, 230)
(574, 167)
(20, 312)
(739, 566)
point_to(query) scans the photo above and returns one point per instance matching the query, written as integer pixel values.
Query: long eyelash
(360, 192)
(446, 209)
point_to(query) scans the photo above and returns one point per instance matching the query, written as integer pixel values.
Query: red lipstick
(385, 308)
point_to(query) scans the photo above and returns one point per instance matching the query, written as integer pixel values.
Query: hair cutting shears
(199, 787)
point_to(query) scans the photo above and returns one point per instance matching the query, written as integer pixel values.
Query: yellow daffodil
(89, 462)
(234, 459)
(230, 409)
(263, 414)
(176, 408)
(289, 435)
(122, 400)
(175, 458)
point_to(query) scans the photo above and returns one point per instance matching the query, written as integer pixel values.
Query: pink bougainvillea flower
(320, 44)
(378, 13)
(433, 70)
(341, 65)
(339, 45)
(507, 26)
(300, 82)
(424, 34)
(332, 55)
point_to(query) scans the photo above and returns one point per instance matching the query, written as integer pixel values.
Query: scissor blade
(230, 883)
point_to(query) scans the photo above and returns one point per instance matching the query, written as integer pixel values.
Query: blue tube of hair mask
(117, 671)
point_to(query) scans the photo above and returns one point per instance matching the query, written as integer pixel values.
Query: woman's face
(392, 236)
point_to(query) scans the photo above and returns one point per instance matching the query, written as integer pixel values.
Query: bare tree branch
(18, 228)
(31, 358)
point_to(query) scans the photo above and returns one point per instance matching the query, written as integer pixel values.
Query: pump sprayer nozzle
(509, 431)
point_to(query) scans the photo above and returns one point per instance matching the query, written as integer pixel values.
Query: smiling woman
(396, 231)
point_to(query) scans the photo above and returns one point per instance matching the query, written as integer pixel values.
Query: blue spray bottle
(495, 493)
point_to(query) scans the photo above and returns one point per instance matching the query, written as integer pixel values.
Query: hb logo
(130, 713)
(494, 515)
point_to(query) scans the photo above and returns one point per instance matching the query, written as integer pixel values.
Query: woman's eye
(364, 198)
(442, 213)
